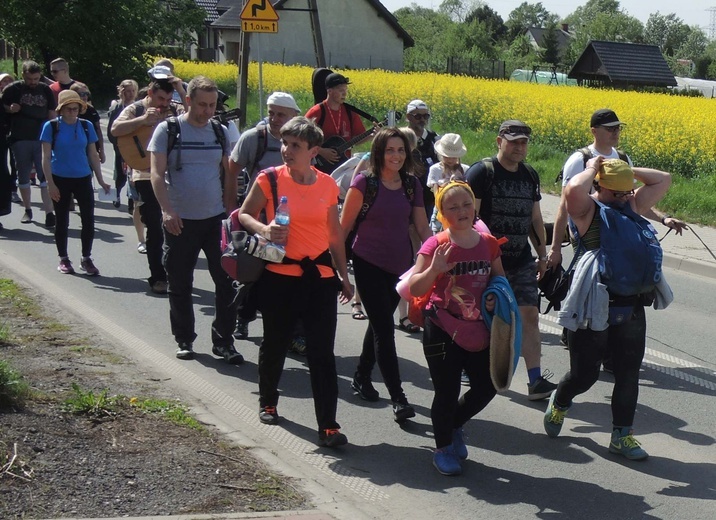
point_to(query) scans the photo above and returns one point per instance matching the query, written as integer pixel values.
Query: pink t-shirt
(457, 298)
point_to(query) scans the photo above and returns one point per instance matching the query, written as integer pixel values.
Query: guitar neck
(357, 139)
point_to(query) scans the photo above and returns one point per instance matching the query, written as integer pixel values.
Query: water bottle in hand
(282, 217)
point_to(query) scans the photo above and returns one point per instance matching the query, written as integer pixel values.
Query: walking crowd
(467, 242)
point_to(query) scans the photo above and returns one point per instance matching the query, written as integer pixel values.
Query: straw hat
(450, 145)
(67, 97)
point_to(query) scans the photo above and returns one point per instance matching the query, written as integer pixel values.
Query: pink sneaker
(88, 267)
(65, 266)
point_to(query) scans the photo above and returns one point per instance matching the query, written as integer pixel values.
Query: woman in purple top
(381, 253)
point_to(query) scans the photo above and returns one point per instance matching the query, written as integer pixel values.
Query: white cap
(416, 104)
(160, 72)
(282, 99)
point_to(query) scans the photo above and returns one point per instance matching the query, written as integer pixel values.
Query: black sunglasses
(421, 116)
(622, 194)
(612, 129)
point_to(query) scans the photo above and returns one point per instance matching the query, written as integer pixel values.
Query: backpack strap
(273, 182)
(261, 147)
(350, 108)
(55, 123)
(139, 108)
(174, 135)
(623, 156)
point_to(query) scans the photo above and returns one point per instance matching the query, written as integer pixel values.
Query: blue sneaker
(624, 443)
(554, 417)
(458, 443)
(446, 462)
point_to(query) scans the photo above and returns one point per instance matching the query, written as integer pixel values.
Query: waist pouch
(621, 308)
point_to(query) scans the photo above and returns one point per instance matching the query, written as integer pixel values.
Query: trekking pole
(697, 236)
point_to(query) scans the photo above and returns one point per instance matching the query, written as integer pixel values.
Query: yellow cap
(616, 175)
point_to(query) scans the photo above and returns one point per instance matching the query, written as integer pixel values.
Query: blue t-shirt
(69, 158)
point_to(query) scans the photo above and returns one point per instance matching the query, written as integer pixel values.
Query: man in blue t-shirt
(508, 198)
(188, 184)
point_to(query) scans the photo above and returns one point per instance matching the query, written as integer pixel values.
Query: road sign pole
(261, 76)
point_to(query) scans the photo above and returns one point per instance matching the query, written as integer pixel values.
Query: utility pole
(316, 30)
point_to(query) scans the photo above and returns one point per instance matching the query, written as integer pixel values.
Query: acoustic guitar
(340, 145)
(133, 146)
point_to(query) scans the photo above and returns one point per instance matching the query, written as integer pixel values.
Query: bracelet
(664, 218)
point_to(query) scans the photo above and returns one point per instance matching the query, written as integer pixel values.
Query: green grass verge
(14, 390)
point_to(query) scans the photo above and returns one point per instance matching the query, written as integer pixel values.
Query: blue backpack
(630, 255)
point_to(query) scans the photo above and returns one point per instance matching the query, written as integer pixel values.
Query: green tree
(528, 15)
(668, 31)
(428, 29)
(493, 22)
(104, 42)
(549, 46)
(608, 26)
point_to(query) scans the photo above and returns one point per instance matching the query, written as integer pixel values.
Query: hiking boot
(88, 267)
(228, 352)
(624, 443)
(185, 350)
(65, 266)
(554, 417)
(363, 386)
(298, 345)
(446, 462)
(160, 287)
(268, 415)
(402, 411)
(242, 329)
(332, 437)
(50, 220)
(27, 217)
(541, 388)
(458, 443)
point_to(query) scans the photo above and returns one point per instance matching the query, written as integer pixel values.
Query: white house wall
(354, 36)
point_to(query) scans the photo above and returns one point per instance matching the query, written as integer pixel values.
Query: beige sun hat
(67, 97)
(450, 145)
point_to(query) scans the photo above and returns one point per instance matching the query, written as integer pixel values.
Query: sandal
(406, 326)
(357, 313)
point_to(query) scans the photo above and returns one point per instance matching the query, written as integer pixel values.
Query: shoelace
(557, 416)
(332, 431)
(271, 410)
(630, 442)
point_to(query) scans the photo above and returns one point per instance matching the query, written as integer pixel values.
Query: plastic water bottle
(282, 215)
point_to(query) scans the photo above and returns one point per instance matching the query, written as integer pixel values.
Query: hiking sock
(534, 374)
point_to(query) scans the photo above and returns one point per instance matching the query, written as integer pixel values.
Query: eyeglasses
(421, 116)
(612, 129)
(55, 71)
(84, 94)
(622, 194)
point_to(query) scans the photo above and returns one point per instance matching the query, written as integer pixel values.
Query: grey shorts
(28, 154)
(523, 281)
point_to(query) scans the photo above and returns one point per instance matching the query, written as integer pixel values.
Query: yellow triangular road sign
(259, 10)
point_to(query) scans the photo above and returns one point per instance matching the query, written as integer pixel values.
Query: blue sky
(692, 12)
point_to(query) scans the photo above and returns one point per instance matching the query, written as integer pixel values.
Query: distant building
(564, 37)
(358, 34)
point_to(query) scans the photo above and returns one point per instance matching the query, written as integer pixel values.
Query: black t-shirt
(35, 103)
(506, 207)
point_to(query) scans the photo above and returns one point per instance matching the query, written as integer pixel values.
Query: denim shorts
(523, 281)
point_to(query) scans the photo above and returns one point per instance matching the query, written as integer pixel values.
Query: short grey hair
(304, 129)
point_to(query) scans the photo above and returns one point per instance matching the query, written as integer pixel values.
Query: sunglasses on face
(421, 116)
(612, 129)
(622, 194)
(84, 94)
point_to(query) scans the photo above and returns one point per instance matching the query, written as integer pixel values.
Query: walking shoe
(159, 287)
(458, 443)
(363, 386)
(65, 266)
(185, 350)
(541, 388)
(88, 267)
(402, 411)
(27, 217)
(268, 415)
(298, 345)
(332, 438)
(446, 462)
(142, 248)
(554, 417)
(116, 203)
(242, 329)
(50, 220)
(624, 443)
(228, 352)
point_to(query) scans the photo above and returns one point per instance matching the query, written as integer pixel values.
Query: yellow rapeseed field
(673, 133)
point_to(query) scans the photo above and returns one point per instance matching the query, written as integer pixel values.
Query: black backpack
(174, 131)
(587, 154)
(55, 123)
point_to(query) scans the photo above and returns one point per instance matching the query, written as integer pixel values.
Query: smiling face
(394, 156)
(458, 207)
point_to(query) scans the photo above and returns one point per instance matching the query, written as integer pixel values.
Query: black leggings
(81, 189)
(587, 348)
(377, 291)
(446, 360)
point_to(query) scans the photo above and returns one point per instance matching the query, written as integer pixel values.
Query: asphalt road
(514, 470)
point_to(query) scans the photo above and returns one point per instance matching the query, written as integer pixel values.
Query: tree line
(472, 30)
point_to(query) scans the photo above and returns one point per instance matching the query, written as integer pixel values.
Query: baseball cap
(513, 129)
(416, 104)
(159, 72)
(283, 99)
(604, 117)
(334, 79)
(616, 175)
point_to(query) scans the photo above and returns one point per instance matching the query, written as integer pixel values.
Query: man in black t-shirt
(508, 195)
(30, 103)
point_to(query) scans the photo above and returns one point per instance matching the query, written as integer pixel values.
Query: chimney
(565, 27)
